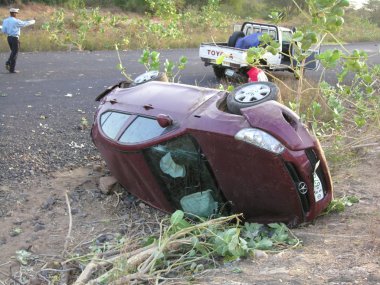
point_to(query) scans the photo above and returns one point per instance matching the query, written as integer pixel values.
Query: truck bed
(233, 57)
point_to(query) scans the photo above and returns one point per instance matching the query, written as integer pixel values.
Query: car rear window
(112, 122)
(141, 129)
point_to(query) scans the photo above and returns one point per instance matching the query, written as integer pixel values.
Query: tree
(289, 7)
(373, 8)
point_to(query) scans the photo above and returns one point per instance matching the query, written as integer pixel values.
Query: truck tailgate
(233, 57)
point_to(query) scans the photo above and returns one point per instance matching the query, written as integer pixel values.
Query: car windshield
(140, 130)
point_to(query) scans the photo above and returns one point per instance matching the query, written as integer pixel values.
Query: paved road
(42, 107)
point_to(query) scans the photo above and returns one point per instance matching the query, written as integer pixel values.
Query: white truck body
(235, 59)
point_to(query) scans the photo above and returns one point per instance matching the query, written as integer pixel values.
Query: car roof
(178, 100)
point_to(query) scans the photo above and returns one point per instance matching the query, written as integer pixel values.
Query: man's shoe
(7, 67)
(14, 71)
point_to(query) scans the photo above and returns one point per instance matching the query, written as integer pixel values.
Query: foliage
(353, 102)
(84, 20)
(151, 61)
(23, 256)
(372, 10)
(340, 204)
(186, 247)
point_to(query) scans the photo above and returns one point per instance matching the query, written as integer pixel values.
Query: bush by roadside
(59, 28)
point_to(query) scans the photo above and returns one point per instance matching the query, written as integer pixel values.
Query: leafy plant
(184, 245)
(23, 256)
(84, 123)
(340, 204)
(332, 109)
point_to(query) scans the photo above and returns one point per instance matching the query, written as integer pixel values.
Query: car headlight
(260, 139)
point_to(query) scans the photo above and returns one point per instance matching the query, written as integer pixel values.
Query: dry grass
(133, 35)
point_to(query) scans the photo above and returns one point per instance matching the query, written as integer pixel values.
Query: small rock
(15, 232)
(39, 227)
(104, 238)
(259, 254)
(17, 223)
(26, 246)
(47, 205)
(107, 184)
(97, 168)
(123, 230)
(74, 211)
(374, 277)
(3, 241)
(35, 281)
(36, 218)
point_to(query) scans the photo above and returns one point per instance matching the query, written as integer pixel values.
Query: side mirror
(164, 120)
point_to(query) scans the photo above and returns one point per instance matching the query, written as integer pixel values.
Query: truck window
(286, 36)
(273, 34)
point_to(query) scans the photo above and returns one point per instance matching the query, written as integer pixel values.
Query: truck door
(311, 62)
(250, 27)
(273, 60)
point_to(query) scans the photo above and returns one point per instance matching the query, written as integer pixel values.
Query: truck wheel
(297, 75)
(152, 75)
(234, 37)
(219, 71)
(251, 94)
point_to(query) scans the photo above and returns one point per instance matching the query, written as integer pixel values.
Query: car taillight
(260, 139)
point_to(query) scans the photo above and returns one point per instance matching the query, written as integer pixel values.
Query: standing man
(11, 27)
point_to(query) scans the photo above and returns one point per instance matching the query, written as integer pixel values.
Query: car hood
(281, 122)
(152, 98)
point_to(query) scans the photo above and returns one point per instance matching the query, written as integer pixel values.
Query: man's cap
(14, 10)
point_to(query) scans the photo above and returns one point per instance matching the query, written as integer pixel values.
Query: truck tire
(152, 75)
(219, 71)
(251, 94)
(234, 37)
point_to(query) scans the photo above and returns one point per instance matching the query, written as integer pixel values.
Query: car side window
(183, 171)
(112, 122)
(140, 130)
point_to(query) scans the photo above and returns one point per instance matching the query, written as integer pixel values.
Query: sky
(358, 3)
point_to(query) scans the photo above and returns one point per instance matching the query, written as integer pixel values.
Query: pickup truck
(235, 59)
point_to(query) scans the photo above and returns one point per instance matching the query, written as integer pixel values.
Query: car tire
(152, 75)
(219, 71)
(251, 94)
(234, 37)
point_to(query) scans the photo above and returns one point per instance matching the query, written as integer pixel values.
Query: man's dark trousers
(14, 45)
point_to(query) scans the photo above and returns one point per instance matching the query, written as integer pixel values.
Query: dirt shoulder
(339, 248)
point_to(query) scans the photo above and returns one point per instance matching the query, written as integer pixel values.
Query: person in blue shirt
(11, 27)
(252, 40)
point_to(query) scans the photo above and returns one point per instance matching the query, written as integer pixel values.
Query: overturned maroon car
(208, 151)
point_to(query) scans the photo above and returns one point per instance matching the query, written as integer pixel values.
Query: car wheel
(234, 37)
(219, 71)
(152, 75)
(251, 94)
